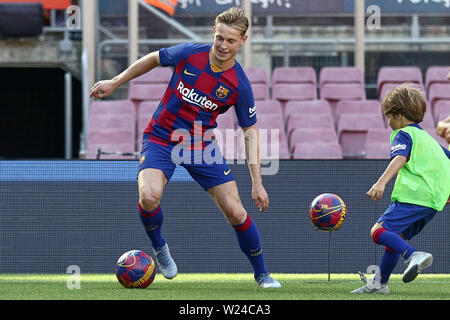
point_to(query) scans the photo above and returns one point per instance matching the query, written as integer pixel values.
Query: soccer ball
(327, 212)
(135, 269)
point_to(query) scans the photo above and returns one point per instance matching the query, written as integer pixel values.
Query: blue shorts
(406, 219)
(207, 167)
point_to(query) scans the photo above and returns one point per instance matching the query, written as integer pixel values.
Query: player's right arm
(104, 88)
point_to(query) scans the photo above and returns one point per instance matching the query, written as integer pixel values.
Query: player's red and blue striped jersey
(196, 94)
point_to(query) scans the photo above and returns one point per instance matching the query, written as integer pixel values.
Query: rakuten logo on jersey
(192, 97)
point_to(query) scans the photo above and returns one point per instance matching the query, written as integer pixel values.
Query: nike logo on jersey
(252, 112)
(227, 172)
(192, 97)
(188, 73)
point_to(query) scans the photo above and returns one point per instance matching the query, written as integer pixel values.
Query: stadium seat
(377, 150)
(352, 131)
(143, 92)
(112, 107)
(307, 135)
(317, 150)
(98, 122)
(286, 75)
(378, 134)
(436, 74)
(346, 91)
(268, 106)
(309, 121)
(261, 91)
(284, 92)
(273, 145)
(231, 143)
(398, 75)
(378, 143)
(438, 91)
(441, 110)
(341, 75)
(266, 122)
(146, 110)
(307, 107)
(358, 107)
(227, 120)
(111, 141)
(428, 120)
(257, 75)
(390, 86)
(159, 75)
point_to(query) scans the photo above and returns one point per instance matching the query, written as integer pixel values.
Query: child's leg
(388, 263)
(391, 240)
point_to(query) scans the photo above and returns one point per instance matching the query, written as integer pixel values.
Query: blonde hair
(234, 17)
(407, 101)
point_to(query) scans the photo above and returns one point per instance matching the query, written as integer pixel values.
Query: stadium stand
(441, 110)
(377, 144)
(112, 107)
(146, 110)
(257, 75)
(428, 121)
(302, 135)
(438, 92)
(268, 106)
(372, 107)
(285, 92)
(309, 121)
(335, 92)
(435, 74)
(158, 75)
(111, 141)
(340, 75)
(306, 75)
(319, 150)
(352, 131)
(390, 86)
(397, 75)
(143, 92)
(341, 114)
(261, 91)
(267, 122)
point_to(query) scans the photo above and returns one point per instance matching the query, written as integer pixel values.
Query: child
(421, 188)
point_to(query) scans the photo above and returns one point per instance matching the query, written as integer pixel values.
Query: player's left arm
(252, 153)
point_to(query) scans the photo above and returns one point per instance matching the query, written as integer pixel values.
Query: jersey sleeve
(401, 145)
(169, 57)
(245, 106)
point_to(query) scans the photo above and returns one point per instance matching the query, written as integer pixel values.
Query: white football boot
(166, 265)
(266, 281)
(372, 286)
(417, 262)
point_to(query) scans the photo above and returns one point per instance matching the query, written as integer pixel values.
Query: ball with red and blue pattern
(135, 269)
(327, 212)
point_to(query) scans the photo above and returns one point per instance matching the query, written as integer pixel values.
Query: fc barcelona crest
(222, 92)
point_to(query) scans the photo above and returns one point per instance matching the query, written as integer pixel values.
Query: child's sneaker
(417, 262)
(372, 286)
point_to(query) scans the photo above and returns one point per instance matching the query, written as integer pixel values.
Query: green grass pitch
(218, 287)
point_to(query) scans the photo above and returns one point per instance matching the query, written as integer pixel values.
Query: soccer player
(206, 82)
(421, 188)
